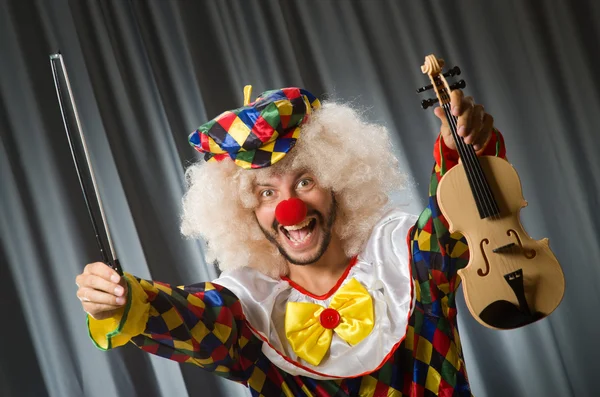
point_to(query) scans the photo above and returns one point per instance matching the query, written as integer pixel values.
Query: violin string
(467, 162)
(487, 188)
(488, 195)
(479, 190)
(471, 158)
(473, 170)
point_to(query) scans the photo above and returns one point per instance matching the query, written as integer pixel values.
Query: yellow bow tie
(309, 327)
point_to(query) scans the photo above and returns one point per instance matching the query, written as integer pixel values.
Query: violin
(511, 280)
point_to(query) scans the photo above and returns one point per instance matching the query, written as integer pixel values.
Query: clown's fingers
(102, 270)
(476, 122)
(88, 295)
(93, 281)
(486, 132)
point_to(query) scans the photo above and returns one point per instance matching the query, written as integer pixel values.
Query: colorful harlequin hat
(258, 134)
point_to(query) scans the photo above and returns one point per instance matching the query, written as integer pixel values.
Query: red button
(330, 318)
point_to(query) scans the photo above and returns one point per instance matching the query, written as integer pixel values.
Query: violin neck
(480, 188)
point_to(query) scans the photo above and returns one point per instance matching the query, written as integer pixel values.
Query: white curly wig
(346, 154)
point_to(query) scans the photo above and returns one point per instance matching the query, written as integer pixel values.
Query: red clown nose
(290, 212)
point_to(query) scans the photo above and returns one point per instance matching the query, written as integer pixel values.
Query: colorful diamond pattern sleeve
(201, 324)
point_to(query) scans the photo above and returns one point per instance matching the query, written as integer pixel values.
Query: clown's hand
(102, 291)
(474, 124)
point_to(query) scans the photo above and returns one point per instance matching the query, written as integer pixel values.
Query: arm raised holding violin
(510, 279)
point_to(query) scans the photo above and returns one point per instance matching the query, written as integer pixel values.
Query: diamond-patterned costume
(204, 324)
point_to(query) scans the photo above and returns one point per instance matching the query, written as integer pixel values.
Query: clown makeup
(306, 242)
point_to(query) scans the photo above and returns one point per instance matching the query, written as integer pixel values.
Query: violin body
(511, 280)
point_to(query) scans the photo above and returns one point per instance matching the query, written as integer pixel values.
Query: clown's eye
(267, 193)
(304, 183)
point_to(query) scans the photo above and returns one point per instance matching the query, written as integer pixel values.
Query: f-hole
(527, 253)
(485, 259)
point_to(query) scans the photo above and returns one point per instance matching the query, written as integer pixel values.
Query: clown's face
(307, 241)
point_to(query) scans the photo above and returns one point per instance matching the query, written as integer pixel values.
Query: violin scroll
(432, 66)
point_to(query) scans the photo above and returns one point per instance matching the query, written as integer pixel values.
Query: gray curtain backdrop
(146, 73)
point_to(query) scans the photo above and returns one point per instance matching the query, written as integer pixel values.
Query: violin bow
(70, 118)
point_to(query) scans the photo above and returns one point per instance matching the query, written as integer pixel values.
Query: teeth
(299, 225)
(301, 240)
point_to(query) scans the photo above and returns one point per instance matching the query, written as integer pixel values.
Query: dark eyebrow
(301, 173)
(304, 174)
(297, 176)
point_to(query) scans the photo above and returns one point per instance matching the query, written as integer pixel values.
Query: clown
(326, 288)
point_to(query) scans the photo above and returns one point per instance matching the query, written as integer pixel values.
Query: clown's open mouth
(301, 232)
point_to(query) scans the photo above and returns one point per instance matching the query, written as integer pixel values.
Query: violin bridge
(504, 248)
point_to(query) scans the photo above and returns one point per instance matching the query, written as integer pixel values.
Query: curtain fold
(145, 73)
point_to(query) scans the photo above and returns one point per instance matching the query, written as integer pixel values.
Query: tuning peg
(459, 84)
(425, 88)
(455, 71)
(425, 103)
